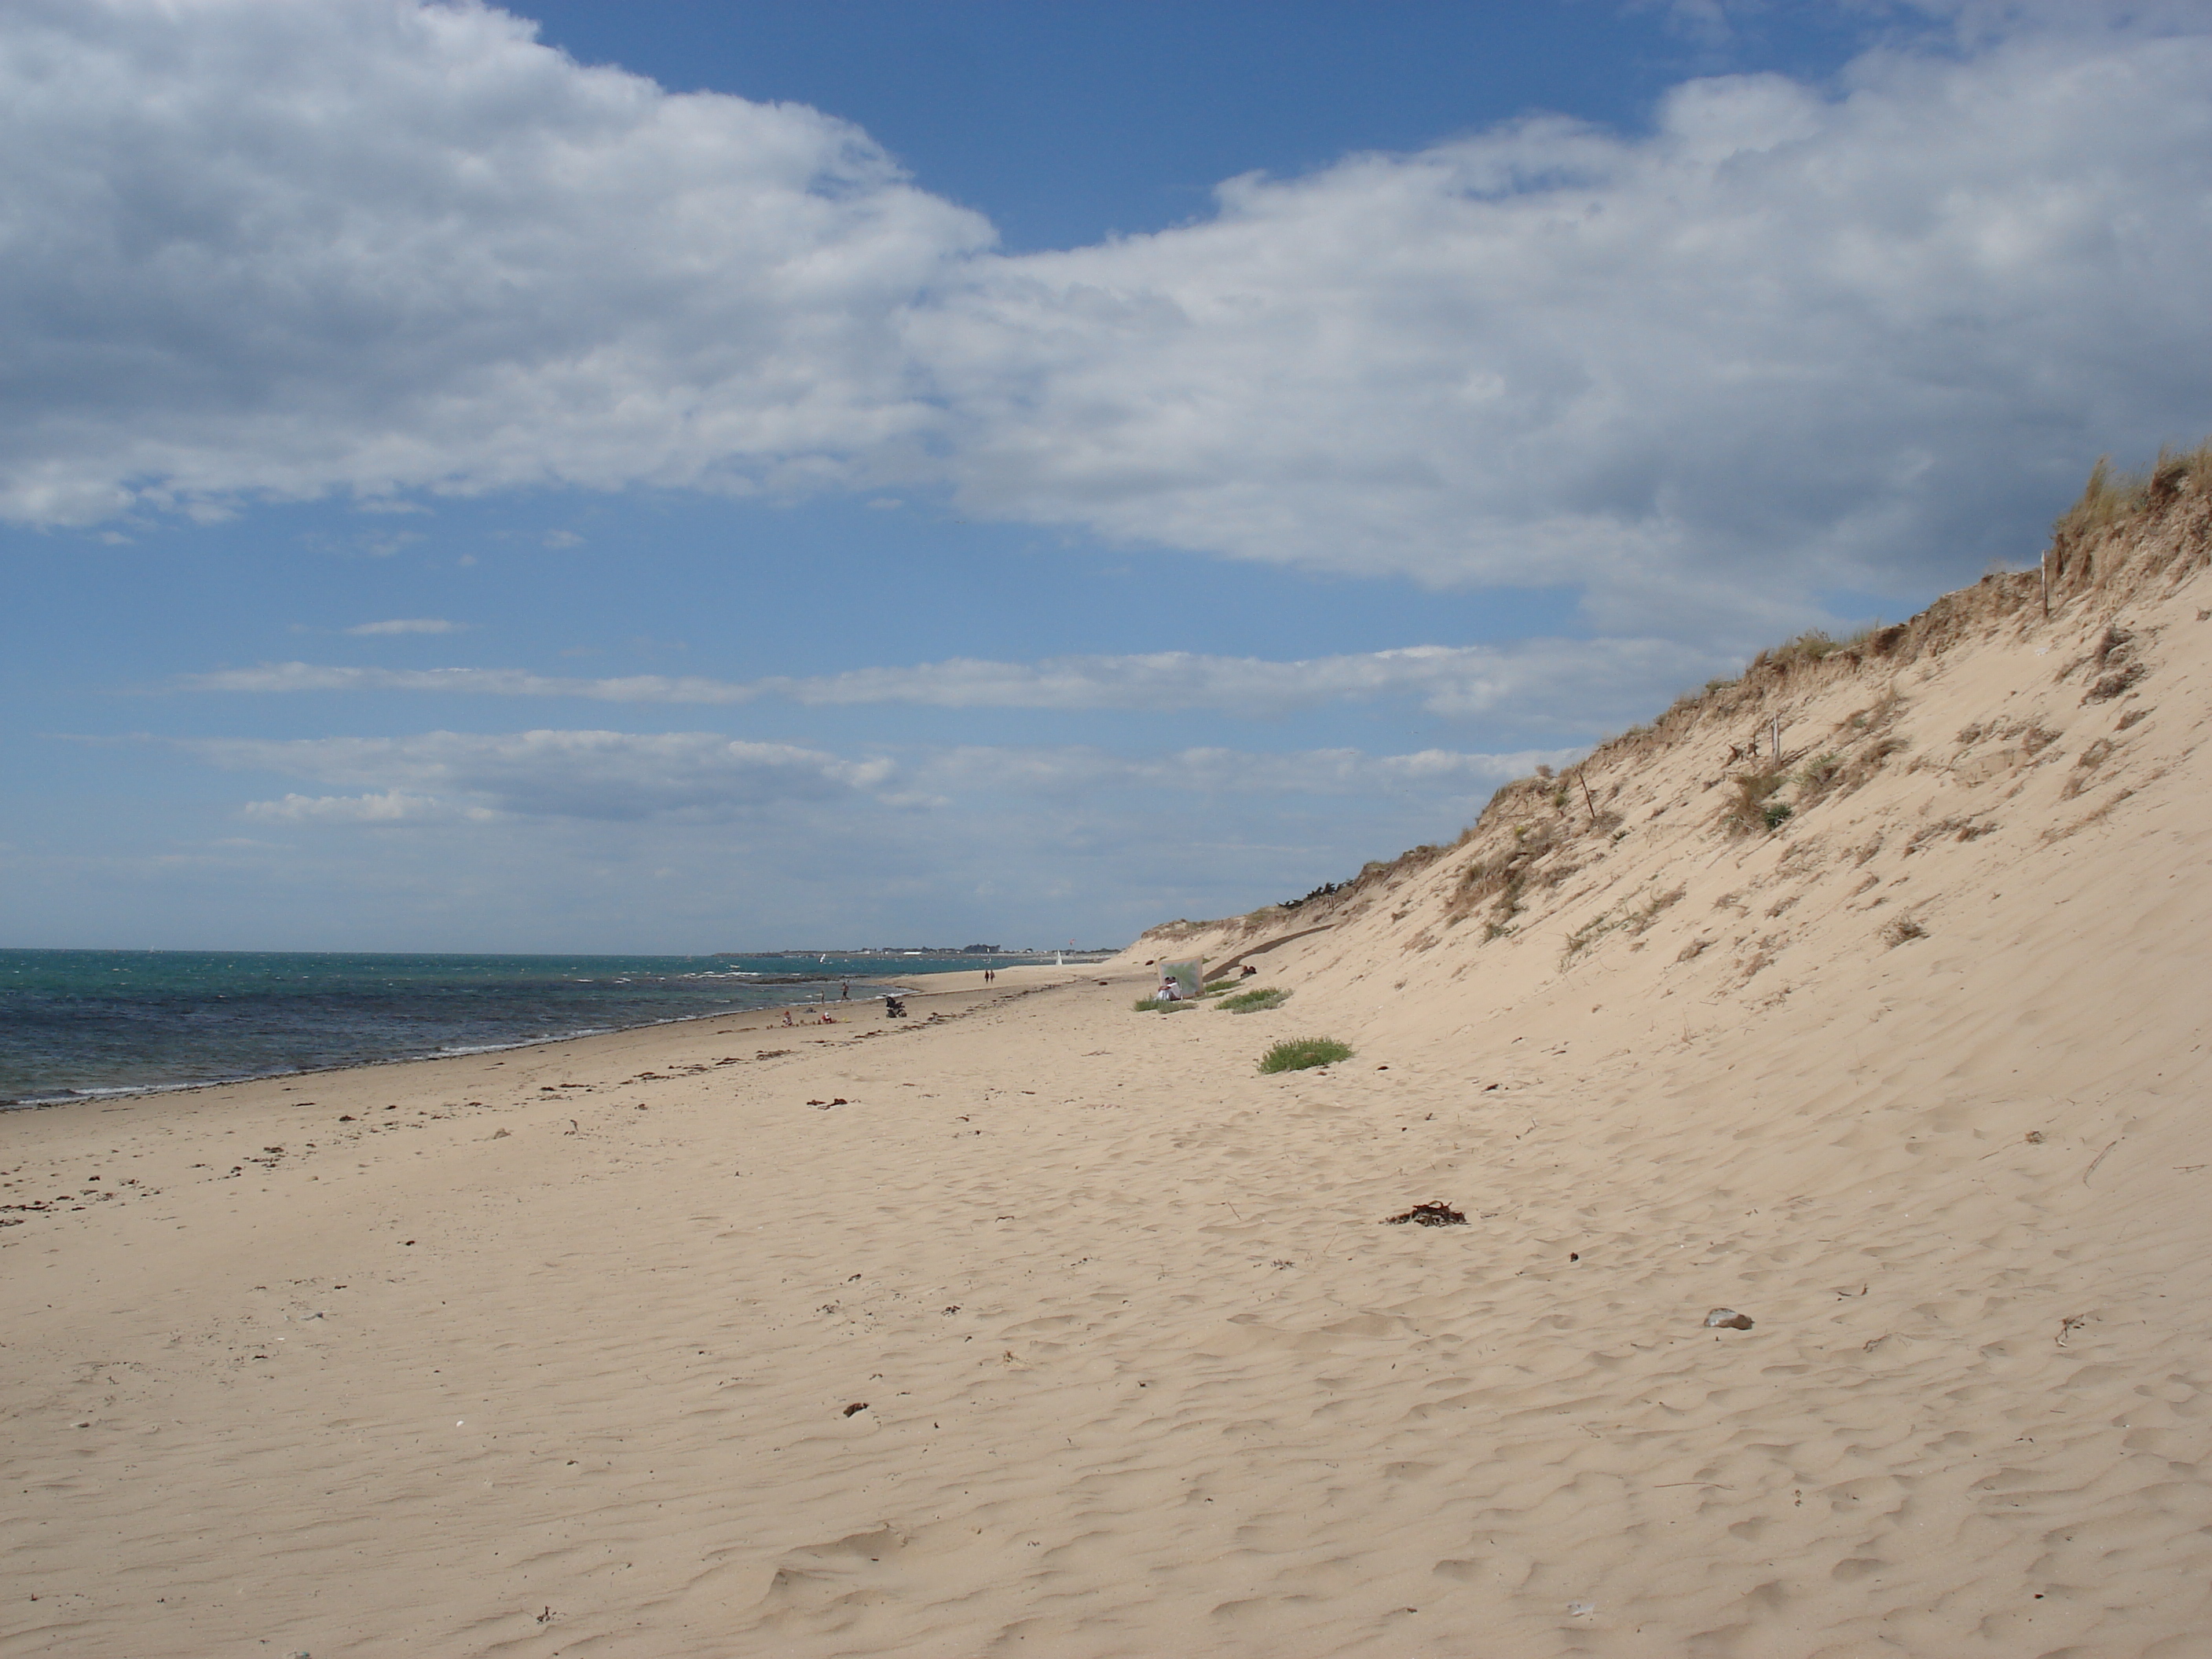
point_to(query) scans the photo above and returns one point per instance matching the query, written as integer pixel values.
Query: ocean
(76, 1023)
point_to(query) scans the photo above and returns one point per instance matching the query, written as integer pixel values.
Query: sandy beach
(1034, 1324)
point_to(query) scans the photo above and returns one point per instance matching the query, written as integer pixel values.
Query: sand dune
(560, 1351)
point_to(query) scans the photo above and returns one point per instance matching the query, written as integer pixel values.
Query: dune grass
(1156, 1005)
(1251, 1002)
(1752, 810)
(2110, 497)
(1296, 1054)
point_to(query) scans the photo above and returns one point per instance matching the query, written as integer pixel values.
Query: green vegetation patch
(1251, 1002)
(1156, 1006)
(1296, 1054)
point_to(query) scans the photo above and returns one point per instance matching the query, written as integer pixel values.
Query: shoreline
(969, 989)
(881, 986)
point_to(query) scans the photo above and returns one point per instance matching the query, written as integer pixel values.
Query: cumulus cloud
(616, 775)
(1568, 681)
(409, 625)
(1793, 339)
(257, 247)
(1787, 341)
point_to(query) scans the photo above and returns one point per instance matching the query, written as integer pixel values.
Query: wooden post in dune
(1777, 741)
(1587, 801)
(2043, 569)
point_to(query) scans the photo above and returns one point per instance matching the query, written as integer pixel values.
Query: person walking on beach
(845, 992)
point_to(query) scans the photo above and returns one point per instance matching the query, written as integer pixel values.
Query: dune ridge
(1042, 1326)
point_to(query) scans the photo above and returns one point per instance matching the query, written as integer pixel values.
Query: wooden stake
(2043, 566)
(1587, 801)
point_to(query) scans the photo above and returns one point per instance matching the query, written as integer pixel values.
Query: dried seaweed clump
(1435, 1213)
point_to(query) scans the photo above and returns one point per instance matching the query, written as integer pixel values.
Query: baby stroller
(894, 1008)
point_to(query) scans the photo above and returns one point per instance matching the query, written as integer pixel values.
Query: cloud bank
(1791, 340)
(1569, 679)
(443, 776)
(615, 776)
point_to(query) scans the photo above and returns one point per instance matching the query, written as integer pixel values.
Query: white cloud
(1565, 681)
(476, 681)
(585, 775)
(1790, 340)
(409, 625)
(616, 775)
(1093, 774)
(374, 246)
(1786, 340)
(1572, 679)
(554, 839)
(393, 806)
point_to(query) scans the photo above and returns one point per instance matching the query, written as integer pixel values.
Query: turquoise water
(76, 1022)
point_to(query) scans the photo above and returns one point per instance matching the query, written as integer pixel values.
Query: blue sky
(694, 476)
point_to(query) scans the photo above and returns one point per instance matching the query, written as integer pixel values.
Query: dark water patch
(79, 1023)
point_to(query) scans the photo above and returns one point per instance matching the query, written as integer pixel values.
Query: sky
(683, 477)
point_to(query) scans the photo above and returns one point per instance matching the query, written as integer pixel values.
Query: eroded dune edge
(1047, 1326)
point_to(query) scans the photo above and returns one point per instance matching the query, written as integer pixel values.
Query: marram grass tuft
(1296, 1054)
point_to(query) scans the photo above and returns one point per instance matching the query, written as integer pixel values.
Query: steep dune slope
(1914, 1073)
(1984, 800)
